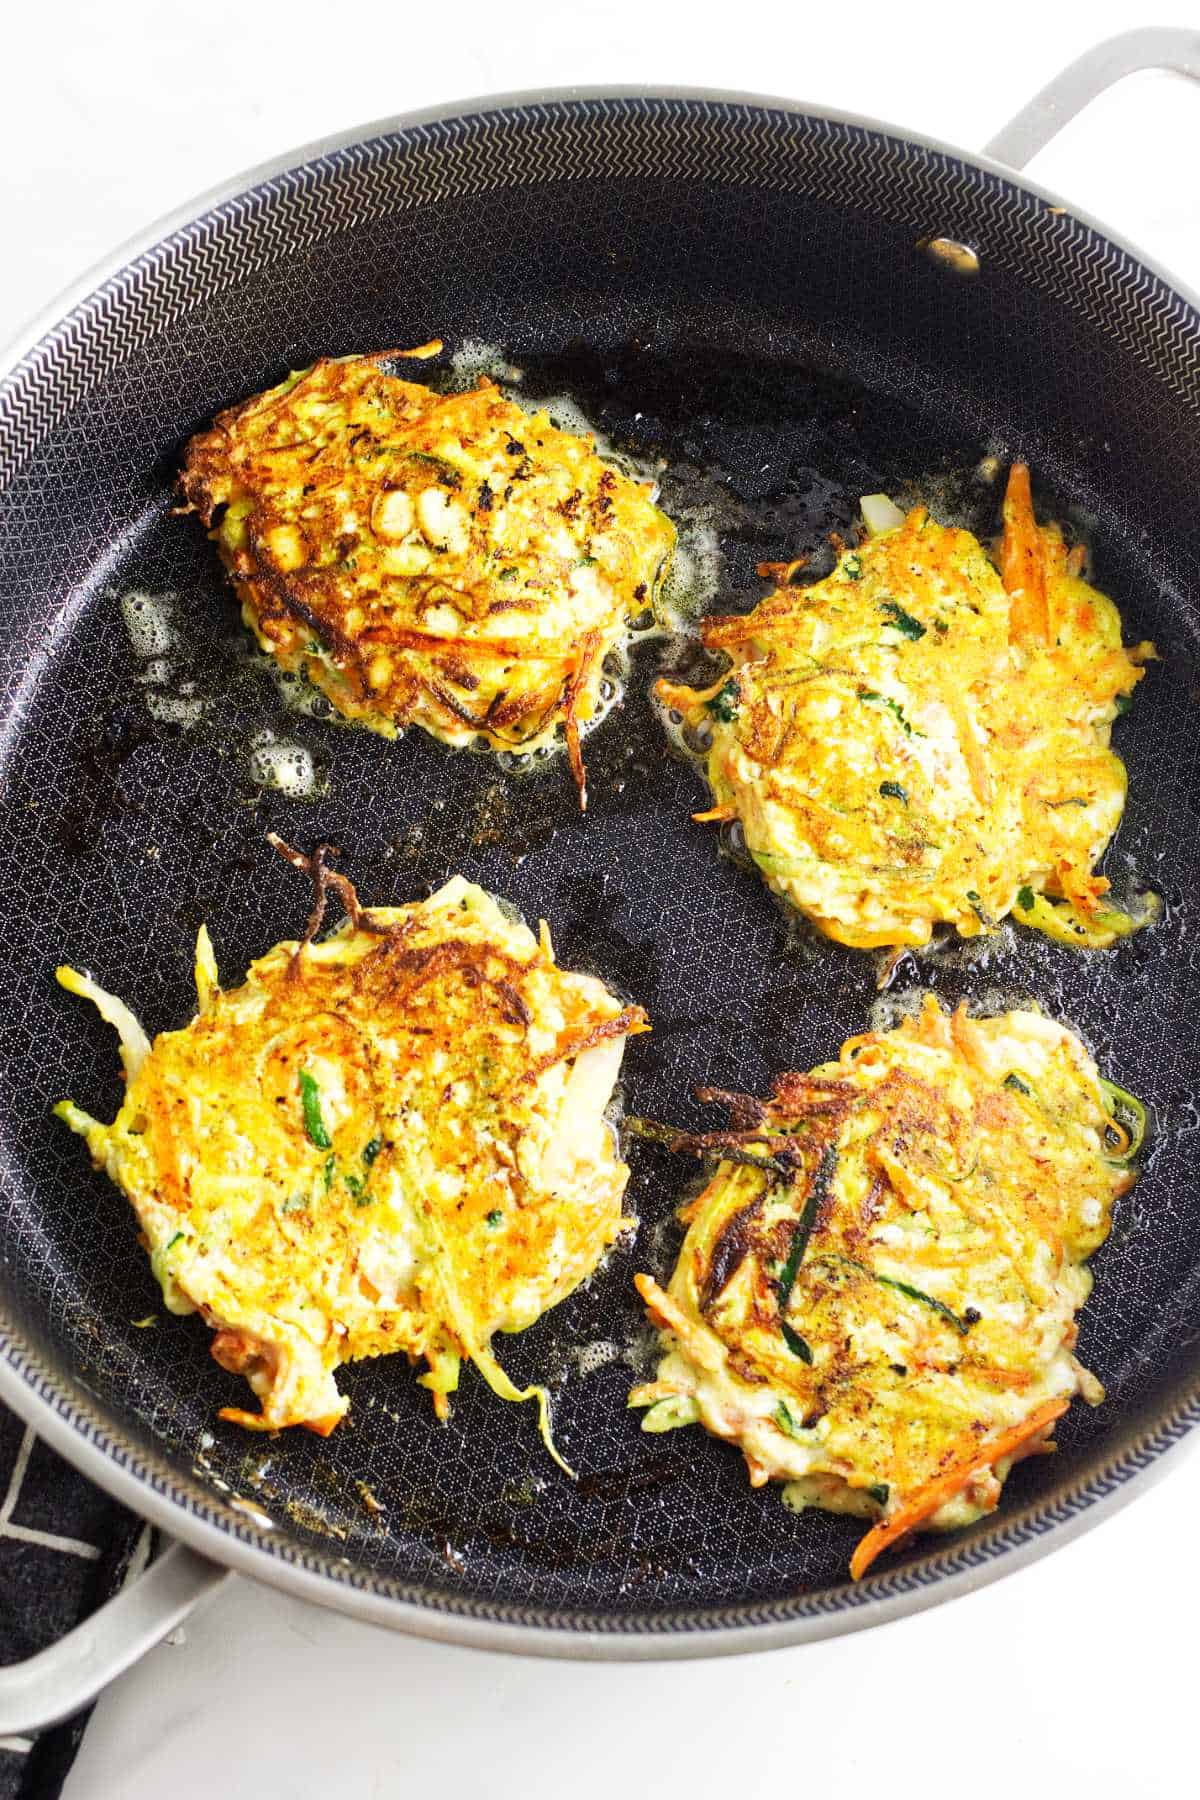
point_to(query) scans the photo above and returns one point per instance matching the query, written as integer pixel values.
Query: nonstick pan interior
(740, 295)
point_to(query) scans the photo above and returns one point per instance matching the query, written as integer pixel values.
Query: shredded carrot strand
(1003, 1378)
(682, 697)
(661, 1304)
(237, 1415)
(1022, 562)
(589, 645)
(783, 571)
(702, 1345)
(926, 1501)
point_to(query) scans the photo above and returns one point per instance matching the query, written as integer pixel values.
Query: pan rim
(248, 1551)
(480, 106)
(59, 1415)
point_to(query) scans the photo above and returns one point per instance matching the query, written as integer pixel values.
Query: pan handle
(1061, 100)
(62, 1680)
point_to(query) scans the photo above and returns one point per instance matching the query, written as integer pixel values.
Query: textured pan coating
(876, 1297)
(921, 740)
(391, 1139)
(441, 560)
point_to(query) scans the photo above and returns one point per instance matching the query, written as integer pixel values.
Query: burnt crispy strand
(730, 1250)
(779, 1125)
(323, 878)
(745, 1110)
(719, 1146)
(794, 1092)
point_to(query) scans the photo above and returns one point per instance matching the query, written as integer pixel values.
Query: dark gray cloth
(65, 1547)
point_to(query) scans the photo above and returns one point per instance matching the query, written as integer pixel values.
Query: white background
(1074, 1677)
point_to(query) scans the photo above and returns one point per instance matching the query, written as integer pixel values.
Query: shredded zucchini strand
(134, 1044)
(1128, 1116)
(460, 1321)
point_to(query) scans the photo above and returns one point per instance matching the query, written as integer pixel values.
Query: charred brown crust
(287, 604)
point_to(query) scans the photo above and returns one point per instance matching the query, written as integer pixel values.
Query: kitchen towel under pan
(65, 1548)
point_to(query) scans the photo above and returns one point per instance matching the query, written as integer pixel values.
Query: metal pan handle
(1061, 100)
(62, 1680)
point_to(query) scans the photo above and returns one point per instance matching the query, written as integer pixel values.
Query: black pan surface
(737, 291)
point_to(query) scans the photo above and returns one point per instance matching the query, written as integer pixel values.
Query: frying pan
(761, 297)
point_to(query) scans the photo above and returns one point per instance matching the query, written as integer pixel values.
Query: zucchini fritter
(391, 1139)
(876, 1296)
(920, 740)
(444, 560)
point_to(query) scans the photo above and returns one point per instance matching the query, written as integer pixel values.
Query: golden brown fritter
(876, 1296)
(391, 1139)
(443, 560)
(920, 739)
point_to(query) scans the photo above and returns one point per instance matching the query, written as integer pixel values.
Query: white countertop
(1073, 1677)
